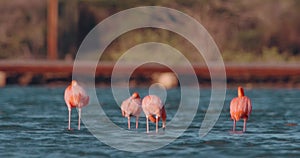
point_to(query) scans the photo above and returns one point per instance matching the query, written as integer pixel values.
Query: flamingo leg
(147, 124)
(69, 125)
(234, 124)
(136, 122)
(156, 124)
(79, 117)
(128, 122)
(245, 122)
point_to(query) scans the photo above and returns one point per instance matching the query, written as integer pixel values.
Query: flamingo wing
(240, 107)
(76, 96)
(80, 96)
(233, 109)
(131, 107)
(152, 105)
(69, 99)
(249, 103)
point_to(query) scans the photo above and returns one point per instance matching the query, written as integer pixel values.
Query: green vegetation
(244, 30)
(269, 55)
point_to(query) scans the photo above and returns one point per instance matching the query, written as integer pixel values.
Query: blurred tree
(22, 29)
(68, 28)
(238, 26)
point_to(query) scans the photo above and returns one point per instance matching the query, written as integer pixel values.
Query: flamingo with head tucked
(132, 107)
(75, 97)
(152, 105)
(240, 108)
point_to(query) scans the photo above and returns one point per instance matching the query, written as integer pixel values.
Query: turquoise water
(33, 122)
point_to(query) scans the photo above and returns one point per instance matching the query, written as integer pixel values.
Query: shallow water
(33, 122)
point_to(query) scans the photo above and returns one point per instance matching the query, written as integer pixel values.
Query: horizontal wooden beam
(232, 70)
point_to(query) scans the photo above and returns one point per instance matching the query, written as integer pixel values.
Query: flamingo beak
(164, 125)
(163, 122)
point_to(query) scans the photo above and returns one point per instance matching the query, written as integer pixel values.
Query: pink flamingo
(132, 107)
(240, 107)
(75, 96)
(152, 105)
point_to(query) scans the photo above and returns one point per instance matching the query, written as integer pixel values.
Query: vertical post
(2, 78)
(52, 29)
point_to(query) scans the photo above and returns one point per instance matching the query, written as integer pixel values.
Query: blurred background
(245, 31)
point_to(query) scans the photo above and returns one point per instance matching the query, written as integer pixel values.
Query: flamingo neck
(135, 95)
(74, 83)
(241, 92)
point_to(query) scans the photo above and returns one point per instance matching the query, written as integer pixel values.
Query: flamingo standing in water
(132, 107)
(75, 96)
(152, 105)
(240, 107)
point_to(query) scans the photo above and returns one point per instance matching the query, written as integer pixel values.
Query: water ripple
(35, 126)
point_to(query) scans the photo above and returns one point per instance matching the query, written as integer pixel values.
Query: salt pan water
(33, 123)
